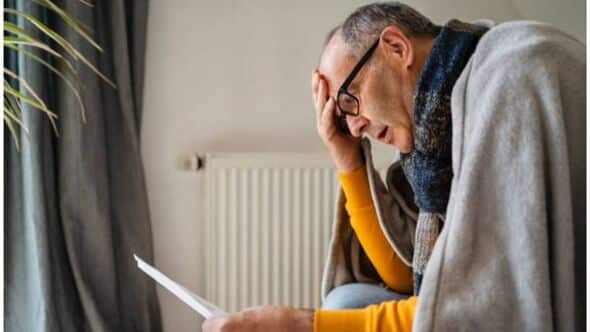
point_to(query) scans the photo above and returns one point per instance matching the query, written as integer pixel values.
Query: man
(481, 225)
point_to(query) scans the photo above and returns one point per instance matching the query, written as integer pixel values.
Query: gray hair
(365, 24)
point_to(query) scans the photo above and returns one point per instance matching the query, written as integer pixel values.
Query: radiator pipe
(195, 162)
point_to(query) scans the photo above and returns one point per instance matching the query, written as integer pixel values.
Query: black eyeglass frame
(343, 90)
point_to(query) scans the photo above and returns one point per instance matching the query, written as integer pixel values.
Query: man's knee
(359, 295)
(344, 297)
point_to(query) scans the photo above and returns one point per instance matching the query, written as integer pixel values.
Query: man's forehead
(335, 64)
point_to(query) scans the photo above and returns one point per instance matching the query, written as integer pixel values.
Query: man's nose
(357, 125)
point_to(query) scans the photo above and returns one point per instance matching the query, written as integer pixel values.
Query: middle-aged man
(481, 224)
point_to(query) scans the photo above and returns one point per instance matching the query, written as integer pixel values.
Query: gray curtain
(76, 205)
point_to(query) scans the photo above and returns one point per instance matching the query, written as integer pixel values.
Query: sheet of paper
(194, 301)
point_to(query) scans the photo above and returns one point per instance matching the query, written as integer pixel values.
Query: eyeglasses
(347, 103)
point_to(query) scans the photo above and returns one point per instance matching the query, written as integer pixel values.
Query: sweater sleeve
(363, 219)
(388, 316)
(394, 316)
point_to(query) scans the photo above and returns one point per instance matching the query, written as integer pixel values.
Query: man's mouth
(382, 135)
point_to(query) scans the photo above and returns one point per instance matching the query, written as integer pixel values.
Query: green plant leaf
(41, 106)
(13, 132)
(46, 30)
(12, 110)
(14, 29)
(70, 20)
(87, 3)
(11, 42)
(12, 115)
(13, 103)
(63, 76)
(26, 85)
(8, 40)
(72, 51)
(71, 72)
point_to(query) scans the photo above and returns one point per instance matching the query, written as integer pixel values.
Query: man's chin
(405, 151)
(406, 146)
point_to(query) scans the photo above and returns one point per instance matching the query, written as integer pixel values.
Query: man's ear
(397, 44)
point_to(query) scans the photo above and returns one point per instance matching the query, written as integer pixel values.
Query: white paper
(194, 301)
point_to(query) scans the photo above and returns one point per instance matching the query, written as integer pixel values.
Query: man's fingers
(212, 324)
(328, 113)
(322, 89)
(314, 83)
(318, 101)
(321, 97)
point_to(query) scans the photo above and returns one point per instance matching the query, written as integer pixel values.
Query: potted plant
(58, 56)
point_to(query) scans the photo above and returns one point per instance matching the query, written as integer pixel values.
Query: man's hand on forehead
(344, 149)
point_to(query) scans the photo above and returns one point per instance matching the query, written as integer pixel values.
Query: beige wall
(568, 15)
(234, 76)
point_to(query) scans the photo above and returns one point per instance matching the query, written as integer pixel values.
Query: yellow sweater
(389, 316)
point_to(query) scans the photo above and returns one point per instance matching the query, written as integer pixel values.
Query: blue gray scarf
(428, 167)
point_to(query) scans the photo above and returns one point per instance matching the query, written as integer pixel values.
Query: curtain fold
(76, 207)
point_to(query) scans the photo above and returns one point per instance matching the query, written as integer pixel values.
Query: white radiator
(269, 218)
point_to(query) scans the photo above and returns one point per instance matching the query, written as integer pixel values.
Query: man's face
(383, 89)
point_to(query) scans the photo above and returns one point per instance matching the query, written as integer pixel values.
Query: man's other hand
(263, 319)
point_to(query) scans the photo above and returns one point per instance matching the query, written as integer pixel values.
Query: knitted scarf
(428, 167)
